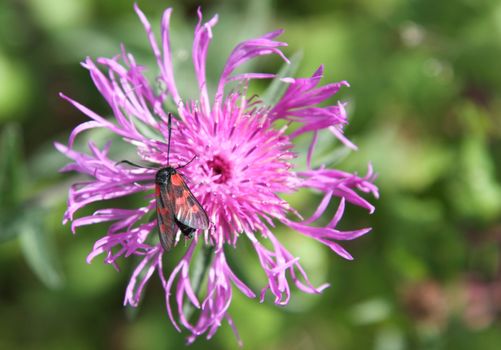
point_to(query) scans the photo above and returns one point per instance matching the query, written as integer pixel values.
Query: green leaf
(39, 248)
(277, 87)
(389, 337)
(16, 96)
(8, 222)
(477, 193)
(10, 166)
(475, 189)
(11, 174)
(371, 311)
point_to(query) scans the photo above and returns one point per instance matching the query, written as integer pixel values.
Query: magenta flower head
(241, 154)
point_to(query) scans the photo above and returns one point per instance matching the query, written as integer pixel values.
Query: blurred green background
(424, 107)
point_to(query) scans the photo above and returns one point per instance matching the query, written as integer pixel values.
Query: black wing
(167, 227)
(187, 210)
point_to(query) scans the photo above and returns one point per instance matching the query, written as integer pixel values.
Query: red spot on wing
(176, 180)
(182, 200)
(163, 211)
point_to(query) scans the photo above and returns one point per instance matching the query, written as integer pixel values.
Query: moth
(176, 206)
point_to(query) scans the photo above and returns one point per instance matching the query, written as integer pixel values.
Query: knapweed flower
(241, 150)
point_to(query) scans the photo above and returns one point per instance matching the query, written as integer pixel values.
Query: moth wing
(167, 227)
(187, 210)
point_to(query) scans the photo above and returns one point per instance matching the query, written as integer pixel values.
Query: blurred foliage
(424, 108)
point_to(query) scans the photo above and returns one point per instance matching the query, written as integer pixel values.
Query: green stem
(200, 270)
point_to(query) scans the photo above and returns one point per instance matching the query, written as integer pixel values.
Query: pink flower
(242, 165)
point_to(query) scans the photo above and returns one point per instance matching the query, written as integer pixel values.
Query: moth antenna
(130, 163)
(169, 126)
(133, 164)
(182, 166)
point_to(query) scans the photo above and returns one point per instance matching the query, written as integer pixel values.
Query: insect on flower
(177, 207)
(246, 162)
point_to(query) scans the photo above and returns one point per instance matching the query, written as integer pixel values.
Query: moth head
(164, 174)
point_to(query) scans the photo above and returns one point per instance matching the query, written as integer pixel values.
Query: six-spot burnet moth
(177, 207)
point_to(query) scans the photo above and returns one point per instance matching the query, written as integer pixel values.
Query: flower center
(220, 166)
